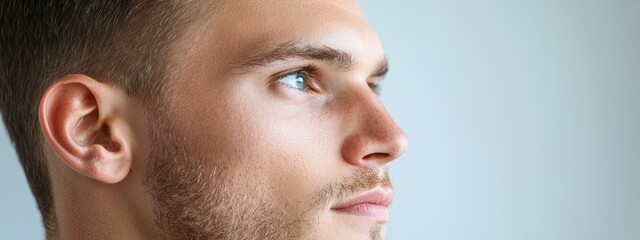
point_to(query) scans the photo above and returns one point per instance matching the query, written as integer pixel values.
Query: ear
(83, 121)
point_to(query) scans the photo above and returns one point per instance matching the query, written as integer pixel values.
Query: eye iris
(295, 80)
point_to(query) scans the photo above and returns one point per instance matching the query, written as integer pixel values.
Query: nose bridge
(374, 137)
(380, 122)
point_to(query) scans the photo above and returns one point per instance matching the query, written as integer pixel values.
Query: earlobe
(82, 121)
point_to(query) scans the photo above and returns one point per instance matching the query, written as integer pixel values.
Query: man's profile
(199, 119)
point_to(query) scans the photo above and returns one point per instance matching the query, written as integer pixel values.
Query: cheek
(294, 150)
(285, 151)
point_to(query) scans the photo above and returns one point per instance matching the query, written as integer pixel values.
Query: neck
(88, 209)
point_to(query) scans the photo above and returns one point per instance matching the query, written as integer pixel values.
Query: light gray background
(524, 118)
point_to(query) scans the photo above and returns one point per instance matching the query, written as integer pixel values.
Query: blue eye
(295, 80)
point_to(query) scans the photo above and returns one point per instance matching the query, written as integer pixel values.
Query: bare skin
(269, 125)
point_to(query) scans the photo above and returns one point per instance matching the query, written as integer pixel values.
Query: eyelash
(375, 87)
(310, 71)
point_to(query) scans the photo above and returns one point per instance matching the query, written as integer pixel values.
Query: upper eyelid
(309, 70)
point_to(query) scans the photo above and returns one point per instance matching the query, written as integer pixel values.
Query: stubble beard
(194, 197)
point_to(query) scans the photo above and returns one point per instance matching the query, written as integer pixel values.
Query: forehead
(240, 28)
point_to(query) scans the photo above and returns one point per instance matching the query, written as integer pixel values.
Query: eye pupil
(300, 82)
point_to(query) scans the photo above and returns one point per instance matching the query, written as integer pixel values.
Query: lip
(372, 204)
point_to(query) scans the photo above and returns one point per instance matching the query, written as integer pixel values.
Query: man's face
(272, 130)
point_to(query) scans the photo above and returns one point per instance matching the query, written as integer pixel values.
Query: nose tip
(389, 148)
(375, 145)
(400, 145)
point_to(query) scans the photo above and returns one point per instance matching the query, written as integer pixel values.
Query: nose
(373, 139)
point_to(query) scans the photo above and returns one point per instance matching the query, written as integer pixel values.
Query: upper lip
(375, 196)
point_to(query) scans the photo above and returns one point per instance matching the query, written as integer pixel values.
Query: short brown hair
(123, 42)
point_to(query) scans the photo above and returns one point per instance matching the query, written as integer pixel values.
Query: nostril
(376, 156)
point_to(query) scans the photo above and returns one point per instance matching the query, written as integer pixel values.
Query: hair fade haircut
(126, 43)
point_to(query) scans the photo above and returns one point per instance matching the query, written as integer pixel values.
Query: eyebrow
(291, 50)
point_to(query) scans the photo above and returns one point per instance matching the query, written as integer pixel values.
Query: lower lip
(374, 212)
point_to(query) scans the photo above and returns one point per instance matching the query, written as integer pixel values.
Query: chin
(344, 226)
